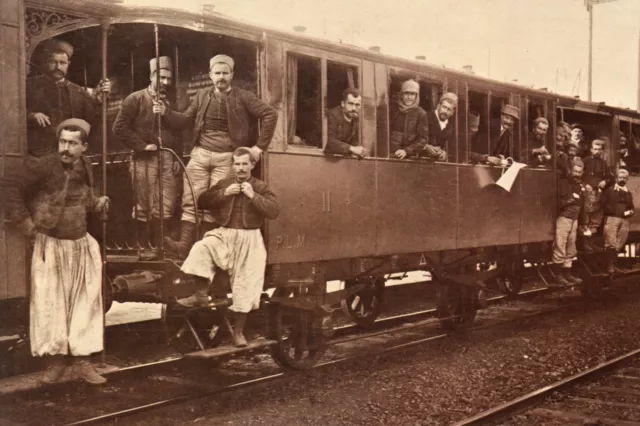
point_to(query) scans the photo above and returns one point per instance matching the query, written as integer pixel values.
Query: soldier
(224, 117)
(570, 201)
(440, 128)
(49, 199)
(344, 126)
(240, 203)
(51, 99)
(577, 136)
(137, 126)
(500, 145)
(617, 203)
(597, 176)
(409, 128)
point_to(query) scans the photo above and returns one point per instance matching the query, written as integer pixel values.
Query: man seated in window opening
(597, 176)
(566, 157)
(137, 125)
(440, 128)
(577, 136)
(51, 99)
(501, 140)
(224, 118)
(409, 128)
(623, 152)
(539, 155)
(617, 203)
(240, 203)
(344, 126)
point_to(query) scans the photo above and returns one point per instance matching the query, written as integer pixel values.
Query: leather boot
(569, 277)
(183, 245)
(611, 254)
(199, 299)
(85, 371)
(238, 328)
(55, 370)
(560, 278)
(149, 249)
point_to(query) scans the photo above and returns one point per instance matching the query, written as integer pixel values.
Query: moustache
(65, 153)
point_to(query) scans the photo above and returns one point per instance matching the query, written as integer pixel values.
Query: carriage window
(632, 146)
(304, 96)
(478, 123)
(304, 101)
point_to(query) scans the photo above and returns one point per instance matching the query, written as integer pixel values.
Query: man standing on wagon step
(49, 199)
(225, 119)
(51, 99)
(240, 204)
(138, 126)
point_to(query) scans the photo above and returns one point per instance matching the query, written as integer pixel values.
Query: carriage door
(13, 143)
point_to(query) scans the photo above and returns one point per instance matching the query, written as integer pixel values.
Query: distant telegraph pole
(589, 5)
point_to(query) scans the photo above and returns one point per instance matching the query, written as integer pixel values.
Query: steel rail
(289, 373)
(518, 405)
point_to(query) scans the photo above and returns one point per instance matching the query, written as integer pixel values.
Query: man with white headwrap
(409, 123)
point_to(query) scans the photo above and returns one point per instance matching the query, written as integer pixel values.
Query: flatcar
(347, 219)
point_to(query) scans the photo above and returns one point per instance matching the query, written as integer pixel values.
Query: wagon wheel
(107, 294)
(207, 325)
(365, 306)
(299, 333)
(456, 306)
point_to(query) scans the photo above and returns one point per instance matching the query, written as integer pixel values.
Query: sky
(541, 43)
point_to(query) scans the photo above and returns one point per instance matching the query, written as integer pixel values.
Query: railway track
(343, 349)
(607, 394)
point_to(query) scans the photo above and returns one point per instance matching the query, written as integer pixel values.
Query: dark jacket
(409, 130)
(38, 191)
(532, 156)
(264, 204)
(136, 125)
(43, 96)
(568, 205)
(615, 203)
(437, 136)
(342, 134)
(499, 145)
(243, 107)
(596, 170)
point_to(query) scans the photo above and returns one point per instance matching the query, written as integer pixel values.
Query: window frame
(323, 56)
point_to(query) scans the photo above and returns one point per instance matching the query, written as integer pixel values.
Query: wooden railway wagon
(341, 218)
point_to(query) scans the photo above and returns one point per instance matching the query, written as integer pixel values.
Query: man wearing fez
(137, 125)
(51, 99)
(538, 156)
(225, 118)
(597, 176)
(500, 145)
(49, 199)
(617, 203)
(343, 126)
(440, 128)
(409, 128)
(240, 203)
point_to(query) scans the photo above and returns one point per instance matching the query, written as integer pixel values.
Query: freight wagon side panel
(488, 214)
(417, 207)
(327, 208)
(634, 187)
(539, 199)
(13, 269)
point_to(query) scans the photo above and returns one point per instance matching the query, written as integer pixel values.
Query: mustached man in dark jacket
(617, 204)
(224, 119)
(241, 204)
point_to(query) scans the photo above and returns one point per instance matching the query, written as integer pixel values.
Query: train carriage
(354, 220)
